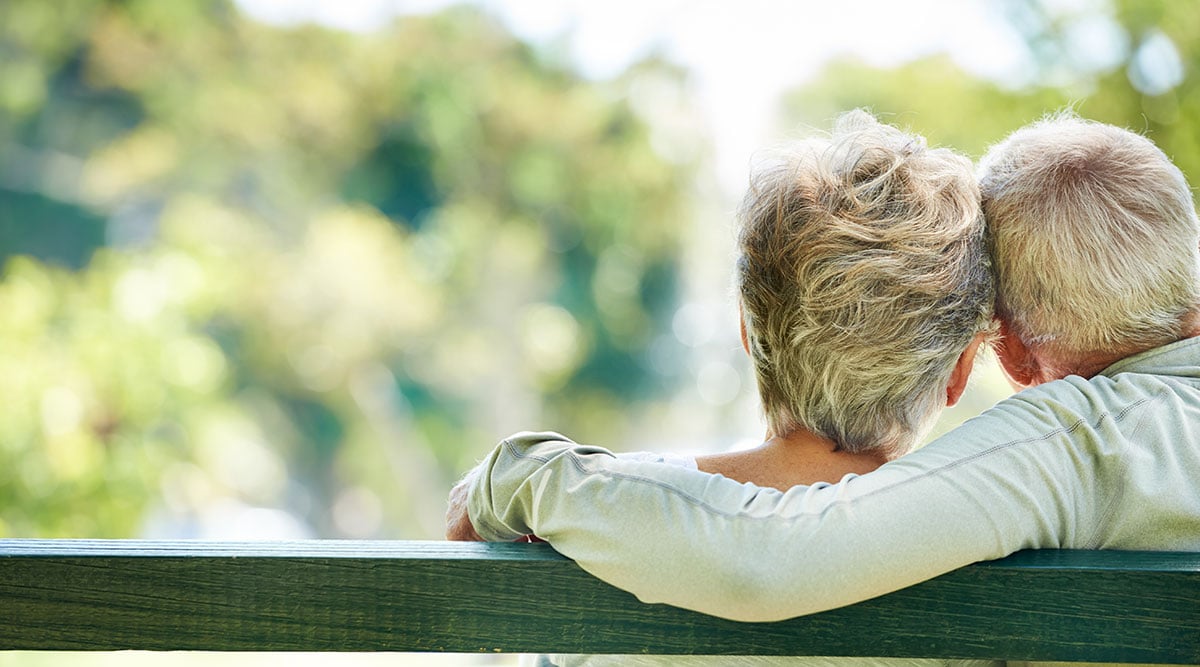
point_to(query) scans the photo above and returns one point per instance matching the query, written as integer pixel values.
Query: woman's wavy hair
(863, 276)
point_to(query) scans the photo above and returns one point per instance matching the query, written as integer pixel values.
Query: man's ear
(1018, 361)
(962, 371)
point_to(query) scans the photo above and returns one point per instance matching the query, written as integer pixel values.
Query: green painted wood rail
(438, 596)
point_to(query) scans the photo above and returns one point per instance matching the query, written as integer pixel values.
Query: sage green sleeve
(1010, 479)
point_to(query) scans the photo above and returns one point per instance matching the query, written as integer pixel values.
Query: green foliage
(932, 96)
(935, 97)
(306, 271)
(255, 276)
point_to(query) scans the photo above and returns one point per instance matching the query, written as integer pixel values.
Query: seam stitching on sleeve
(1113, 500)
(580, 463)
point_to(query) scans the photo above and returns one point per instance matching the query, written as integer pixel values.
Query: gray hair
(1094, 236)
(863, 276)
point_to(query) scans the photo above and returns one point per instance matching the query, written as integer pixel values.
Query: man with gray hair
(1096, 251)
(1095, 244)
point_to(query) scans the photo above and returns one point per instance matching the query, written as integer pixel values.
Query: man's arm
(458, 521)
(739, 551)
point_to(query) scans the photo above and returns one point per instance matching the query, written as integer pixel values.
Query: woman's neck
(801, 457)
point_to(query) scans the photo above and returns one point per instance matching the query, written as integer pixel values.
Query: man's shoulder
(1103, 412)
(1117, 393)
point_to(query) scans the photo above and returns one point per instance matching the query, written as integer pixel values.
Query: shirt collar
(1181, 358)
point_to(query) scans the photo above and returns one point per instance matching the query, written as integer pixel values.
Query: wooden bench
(438, 596)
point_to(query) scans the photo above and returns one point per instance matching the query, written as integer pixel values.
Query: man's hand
(458, 521)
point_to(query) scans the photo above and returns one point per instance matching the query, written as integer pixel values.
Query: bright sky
(743, 55)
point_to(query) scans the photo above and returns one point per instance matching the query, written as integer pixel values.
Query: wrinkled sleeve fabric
(1016, 477)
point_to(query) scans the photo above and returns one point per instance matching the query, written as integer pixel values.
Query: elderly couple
(871, 269)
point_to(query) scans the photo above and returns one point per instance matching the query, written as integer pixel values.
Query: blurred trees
(282, 282)
(1134, 65)
(276, 282)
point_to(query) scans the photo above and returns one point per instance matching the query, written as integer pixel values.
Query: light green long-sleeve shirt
(1111, 462)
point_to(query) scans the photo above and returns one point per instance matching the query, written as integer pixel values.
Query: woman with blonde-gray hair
(865, 291)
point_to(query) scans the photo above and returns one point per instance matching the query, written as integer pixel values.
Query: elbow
(750, 595)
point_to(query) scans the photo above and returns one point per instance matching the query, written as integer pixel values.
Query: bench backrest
(440, 596)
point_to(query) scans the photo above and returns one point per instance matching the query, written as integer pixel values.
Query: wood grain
(439, 596)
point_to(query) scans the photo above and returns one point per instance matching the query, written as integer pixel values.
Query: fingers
(458, 520)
